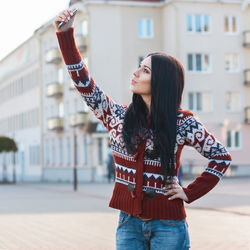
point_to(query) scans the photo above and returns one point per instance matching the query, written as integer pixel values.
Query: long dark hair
(167, 83)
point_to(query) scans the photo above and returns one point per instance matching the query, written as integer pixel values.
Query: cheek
(142, 87)
(147, 86)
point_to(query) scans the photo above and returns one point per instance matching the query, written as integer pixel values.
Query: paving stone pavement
(53, 217)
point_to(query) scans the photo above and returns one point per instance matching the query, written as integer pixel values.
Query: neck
(147, 100)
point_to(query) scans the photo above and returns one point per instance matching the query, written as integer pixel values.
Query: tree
(7, 145)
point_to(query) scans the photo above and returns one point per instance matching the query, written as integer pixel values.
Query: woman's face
(141, 82)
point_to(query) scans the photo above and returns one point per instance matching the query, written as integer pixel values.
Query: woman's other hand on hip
(175, 190)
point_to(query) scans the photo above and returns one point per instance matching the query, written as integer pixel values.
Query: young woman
(147, 139)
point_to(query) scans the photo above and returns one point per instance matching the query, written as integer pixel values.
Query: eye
(145, 70)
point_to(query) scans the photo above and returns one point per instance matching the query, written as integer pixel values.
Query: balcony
(55, 123)
(81, 43)
(96, 127)
(247, 115)
(247, 77)
(79, 119)
(54, 90)
(53, 56)
(246, 38)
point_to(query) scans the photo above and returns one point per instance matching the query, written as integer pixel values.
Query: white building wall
(20, 110)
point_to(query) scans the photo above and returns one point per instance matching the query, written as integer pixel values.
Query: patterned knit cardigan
(139, 171)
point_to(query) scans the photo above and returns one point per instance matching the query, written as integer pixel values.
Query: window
(68, 151)
(34, 153)
(46, 116)
(85, 150)
(198, 63)
(84, 106)
(60, 149)
(67, 110)
(16, 158)
(230, 24)
(145, 28)
(100, 153)
(198, 101)
(234, 24)
(76, 105)
(231, 62)
(233, 139)
(206, 24)
(61, 109)
(60, 75)
(198, 23)
(52, 111)
(46, 151)
(189, 23)
(57, 109)
(232, 101)
(53, 152)
(84, 28)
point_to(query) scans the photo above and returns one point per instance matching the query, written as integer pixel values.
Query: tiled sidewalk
(80, 231)
(54, 217)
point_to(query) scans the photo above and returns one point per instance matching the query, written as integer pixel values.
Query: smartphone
(62, 23)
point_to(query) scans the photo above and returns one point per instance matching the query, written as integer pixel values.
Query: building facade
(20, 108)
(212, 41)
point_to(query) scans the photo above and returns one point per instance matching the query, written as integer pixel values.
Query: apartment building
(20, 111)
(211, 39)
(71, 135)
(212, 42)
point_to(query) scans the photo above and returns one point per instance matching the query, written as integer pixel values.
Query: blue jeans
(134, 234)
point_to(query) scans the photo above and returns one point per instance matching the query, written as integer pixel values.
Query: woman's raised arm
(103, 107)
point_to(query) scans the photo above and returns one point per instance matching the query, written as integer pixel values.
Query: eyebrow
(145, 66)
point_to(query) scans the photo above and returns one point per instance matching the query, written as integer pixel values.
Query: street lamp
(78, 119)
(74, 160)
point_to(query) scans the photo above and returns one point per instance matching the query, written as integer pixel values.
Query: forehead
(146, 61)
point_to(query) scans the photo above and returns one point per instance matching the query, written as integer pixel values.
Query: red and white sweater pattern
(141, 172)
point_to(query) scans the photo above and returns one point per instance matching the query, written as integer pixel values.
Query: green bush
(7, 144)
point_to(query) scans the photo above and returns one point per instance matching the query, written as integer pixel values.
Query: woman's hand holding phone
(65, 20)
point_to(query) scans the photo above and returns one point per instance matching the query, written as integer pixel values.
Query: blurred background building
(53, 127)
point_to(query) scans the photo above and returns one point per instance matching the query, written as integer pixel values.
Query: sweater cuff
(68, 47)
(201, 186)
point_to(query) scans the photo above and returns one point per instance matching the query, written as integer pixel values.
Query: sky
(20, 18)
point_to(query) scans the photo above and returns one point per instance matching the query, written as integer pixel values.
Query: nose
(135, 73)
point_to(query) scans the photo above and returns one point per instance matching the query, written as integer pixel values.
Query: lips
(133, 81)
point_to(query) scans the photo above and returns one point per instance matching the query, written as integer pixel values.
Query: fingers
(66, 16)
(176, 193)
(174, 197)
(58, 19)
(170, 186)
(171, 191)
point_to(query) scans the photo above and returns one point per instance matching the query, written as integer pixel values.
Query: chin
(134, 91)
(131, 88)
